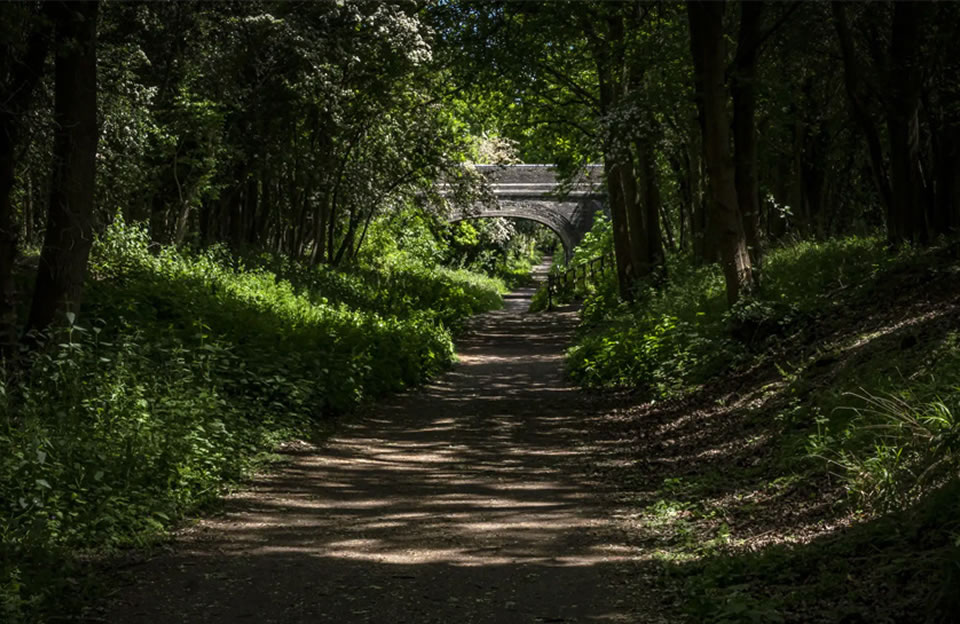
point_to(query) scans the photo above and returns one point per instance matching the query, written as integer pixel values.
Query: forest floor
(473, 499)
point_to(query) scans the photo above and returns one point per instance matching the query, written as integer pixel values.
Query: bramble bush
(183, 373)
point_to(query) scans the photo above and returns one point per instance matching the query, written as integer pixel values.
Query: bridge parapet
(541, 180)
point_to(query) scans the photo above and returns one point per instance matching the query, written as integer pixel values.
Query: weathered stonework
(532, 192)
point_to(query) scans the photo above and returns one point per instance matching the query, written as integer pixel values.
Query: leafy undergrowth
(581, 282)
(798, 458)
(675, 337)
(183, 374)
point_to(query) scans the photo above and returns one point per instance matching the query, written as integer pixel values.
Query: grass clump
(894, 438)
(184, 373)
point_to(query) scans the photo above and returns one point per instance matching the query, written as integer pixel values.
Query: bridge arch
(564, 236)
(555, 217)
(531, 192)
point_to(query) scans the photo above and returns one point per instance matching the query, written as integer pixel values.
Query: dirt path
(467, 501)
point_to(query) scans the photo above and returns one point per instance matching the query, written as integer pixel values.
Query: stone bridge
(532, 192)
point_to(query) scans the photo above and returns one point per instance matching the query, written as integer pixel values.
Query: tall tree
(910, 199)
(709, 54)
(885, 87)
(69, 235)
(21, 72)
(744, 92)
(608, 54)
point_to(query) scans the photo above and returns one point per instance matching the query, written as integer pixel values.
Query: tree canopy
(293, 127)
(172, 170)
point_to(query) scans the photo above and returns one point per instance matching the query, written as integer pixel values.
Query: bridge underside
(531, 192)
(569, 220)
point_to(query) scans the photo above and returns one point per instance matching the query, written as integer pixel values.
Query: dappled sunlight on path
(466, 501)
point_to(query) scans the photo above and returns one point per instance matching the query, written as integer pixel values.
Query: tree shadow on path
(467, 501)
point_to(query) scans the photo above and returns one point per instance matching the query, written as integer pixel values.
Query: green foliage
(505, 248)
(601, 288)
(405, 236)
(893, 439)
(668, 341)
(188, 369)
(811, 274)
(597, 242)
(679, 335)
(828, 444)
(913, 448)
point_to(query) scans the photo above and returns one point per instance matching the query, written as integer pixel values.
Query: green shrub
(678, 335)
(186, 370)
(666, 341)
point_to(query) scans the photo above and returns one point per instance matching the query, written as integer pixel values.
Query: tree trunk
(776, 219)
(607, 60)
(261, 218)
(621, 233)
(184, 207)
(183, 222)
(363, 235)
(947, 206)
(652, 208)
(348, 238)
(813, 150)
(945, 131)
(320, 219)
(744, 93)
(853, 82)
(159, 233)
(908, 214)
(207, 211)
(680, 171)
(235, 209)
(28, 207)
(639, 252)
(251, 205)
(66, 245)
(299, 237)
(707, 45)
(704, 250)
(17, 95)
